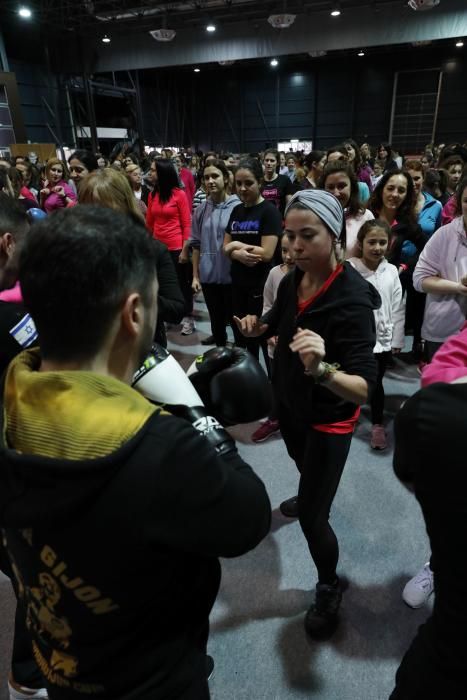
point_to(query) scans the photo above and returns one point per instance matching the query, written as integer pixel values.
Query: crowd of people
(319, 263)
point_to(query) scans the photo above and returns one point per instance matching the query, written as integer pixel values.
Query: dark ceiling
(97, 16)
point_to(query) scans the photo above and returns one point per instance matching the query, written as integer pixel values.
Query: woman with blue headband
(323, 317)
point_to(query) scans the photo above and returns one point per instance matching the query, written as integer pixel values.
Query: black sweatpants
(377, 400)
(249, 300)
(184, 274)
(320, 458)
(218, 298)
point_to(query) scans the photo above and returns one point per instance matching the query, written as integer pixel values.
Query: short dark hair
(75, 270)
(314, 157)
(338, 148)
(87, 158)
(13, 218)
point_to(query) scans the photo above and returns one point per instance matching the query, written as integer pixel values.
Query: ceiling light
(361, 53)
(423, 4)
(106, 39)
(163, 34)
(24, 12)
(197, 70)
(336, 10)
(281, 21)
(211, 27)
(459, 43)
(274, 62)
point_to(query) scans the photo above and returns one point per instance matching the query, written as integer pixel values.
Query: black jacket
(429, 452)
(343, 317)
(117, 557)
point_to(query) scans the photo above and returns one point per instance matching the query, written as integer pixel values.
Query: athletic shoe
(208, 341)
(289, 508)
(417, 591)
(378, 438)
(209, 666)
(188, 325)
(268, 428)
(20, 692)
(322, 618)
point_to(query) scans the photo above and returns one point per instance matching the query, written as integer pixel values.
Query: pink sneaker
(268, 428)
(378, 438)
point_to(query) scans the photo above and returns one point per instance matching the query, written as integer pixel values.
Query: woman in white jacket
(441, 272)
(373, 240)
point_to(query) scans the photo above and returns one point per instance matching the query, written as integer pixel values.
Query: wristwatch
(325, 370)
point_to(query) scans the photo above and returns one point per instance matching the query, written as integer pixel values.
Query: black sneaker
(208, 341)
(322, 618)
(209, 666)
(289, 508)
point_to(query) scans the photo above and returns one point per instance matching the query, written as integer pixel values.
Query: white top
(275, 277)
(353, 225)
(445, 256)
(390, 317)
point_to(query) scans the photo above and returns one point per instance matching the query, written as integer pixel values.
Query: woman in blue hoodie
(211, 268)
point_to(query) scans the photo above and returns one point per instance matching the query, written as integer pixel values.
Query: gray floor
(257, 637)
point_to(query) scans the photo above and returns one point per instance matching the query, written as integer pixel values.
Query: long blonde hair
(109, 188)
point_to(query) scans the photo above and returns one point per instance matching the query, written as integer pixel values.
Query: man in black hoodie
(17, 331)
(113, 511)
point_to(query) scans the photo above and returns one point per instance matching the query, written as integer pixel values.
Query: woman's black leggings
(320, 458)
(218, 298)
(249, 300)
(184, 274)
(377, 400)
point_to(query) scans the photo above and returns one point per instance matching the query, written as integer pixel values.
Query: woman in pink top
(169, 220)
(56, 193)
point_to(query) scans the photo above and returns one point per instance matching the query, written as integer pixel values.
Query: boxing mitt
(232, 384)
(163, 382)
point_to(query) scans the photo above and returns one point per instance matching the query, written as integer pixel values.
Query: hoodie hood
(64, 435)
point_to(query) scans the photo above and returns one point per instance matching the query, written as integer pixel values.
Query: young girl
(271, 424)
(373, 240)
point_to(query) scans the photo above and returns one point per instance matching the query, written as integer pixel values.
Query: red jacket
(189, 183)
(169, 222)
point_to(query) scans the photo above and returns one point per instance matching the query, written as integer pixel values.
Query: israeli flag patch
(24, 332)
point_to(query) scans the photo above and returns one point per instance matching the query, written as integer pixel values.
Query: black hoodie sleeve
(213, 506)
(356, 340)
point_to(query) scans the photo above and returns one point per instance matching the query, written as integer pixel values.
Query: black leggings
(218, 298)
(249, 300)
(320, 458)
(184, 274)
(377, 400)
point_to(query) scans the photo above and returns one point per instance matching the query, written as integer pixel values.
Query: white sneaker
(417, 591)
(188, 325)
(20, 692)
